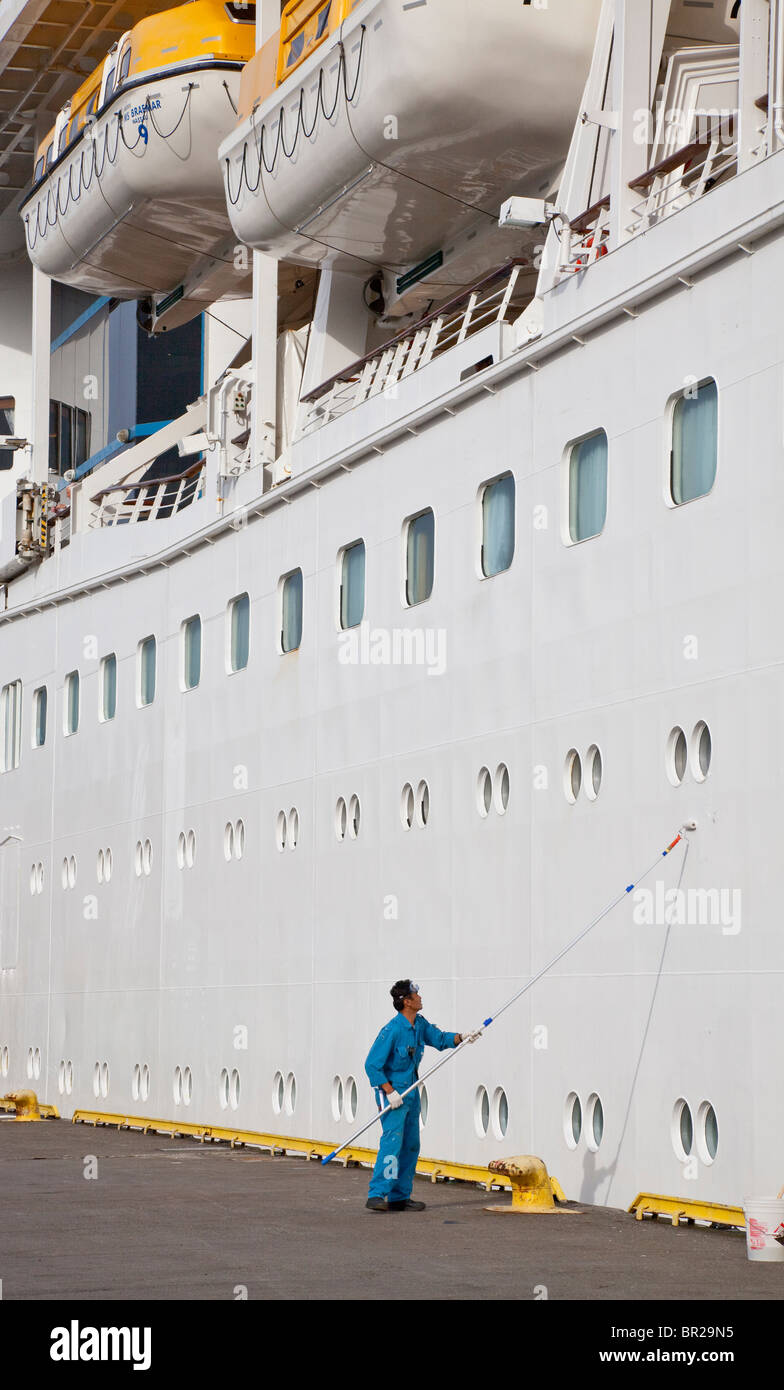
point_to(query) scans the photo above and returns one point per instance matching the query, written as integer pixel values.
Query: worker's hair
(400, 992)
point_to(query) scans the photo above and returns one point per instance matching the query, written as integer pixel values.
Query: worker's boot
(407, 1206)
(376, 1204)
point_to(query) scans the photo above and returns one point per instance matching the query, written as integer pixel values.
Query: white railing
(490, 301)
(155, 500)
(682, 179)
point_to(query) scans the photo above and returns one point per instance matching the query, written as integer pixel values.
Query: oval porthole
(484, 792)
(177, 1086)
(407, 806)
(702, 751)
(280, 830)
(573, 775)
(61, 1078)
(481, 1112)
(337, 1098)
(36, 1063)
(138, 857)
(677, 756)
(190, 848)
(223, 1089)
(68, 1078)
(239, 839)
(573, 1120)
(64, 873)
(146, 856)
(424, 1105)
(501, 788)
(228, 842)
(423, 803)
(72, 871)
(277, 1092)
(353, 817)
(595, 1126)
(33, 881)
(682, 1129)
(107, 866)
(341, 819)
(234, 1089)
(351, 1099)
(187, 1086)
(145, 1088)
(4, 1061)
(290, 1094)
(97, 1079)
(293, 828)
(99, 867)
(593, 772)
(136, 1082)
(707, 1132)
(40, 878)
(500, 1113)
(104, 1079)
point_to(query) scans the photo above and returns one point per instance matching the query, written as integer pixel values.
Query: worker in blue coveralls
(392, 1066)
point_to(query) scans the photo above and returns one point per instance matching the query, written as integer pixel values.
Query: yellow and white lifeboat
(379, 132)
(127, 196)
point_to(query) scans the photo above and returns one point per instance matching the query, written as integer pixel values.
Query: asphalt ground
(99, 1214)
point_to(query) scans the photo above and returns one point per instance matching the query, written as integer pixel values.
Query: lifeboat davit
(127, 196)
(379, 133)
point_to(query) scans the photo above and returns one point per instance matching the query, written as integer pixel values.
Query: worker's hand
(471, 1037)
(394, 1100)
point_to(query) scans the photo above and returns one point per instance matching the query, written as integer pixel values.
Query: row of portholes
(347, 818)
(344, 1099)
(234, 840)
(574, 780)
(101, 1079)
(36, 878)
(186, 849)
(487, 1112)
(142, 859)
(678, 759)
(490, 791)
(592, 1125)
(284, 1093)
(33, 1063)
(415, 806)
(685, 1133)
(287, 829)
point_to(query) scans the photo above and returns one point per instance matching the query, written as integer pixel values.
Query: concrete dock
(96, 1213)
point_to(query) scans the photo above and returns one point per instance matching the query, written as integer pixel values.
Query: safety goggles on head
(413, 988)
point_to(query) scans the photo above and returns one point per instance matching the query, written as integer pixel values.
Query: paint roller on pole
(477, 1033)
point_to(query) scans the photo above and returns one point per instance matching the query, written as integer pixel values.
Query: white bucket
(764, 1221)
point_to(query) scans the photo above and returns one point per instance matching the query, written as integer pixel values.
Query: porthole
(573, 1120)
(64, 873)
(36, 1063)
(593, 772)
(423, 803)
(145, 1088)
(337, 1098)
(104, 1079)
(187, 1086)
(146, 857)
(223, 1089)
(353, 817)
(33, 881)
(293, 828)
(228, 842)
(707, 1132)
(61, 1078)
(97, 1079)
(99, 867)
(290, 1094)
(407, 806)
(190, 848)
(72, 871)
(136, 1082)
(500, 1113)
(595, 1126)
(702, 751)
(573, 775)
(351, 1099)
(341, 819)
(107, 865)
(180, 850)
(484, 792)
(239, 839)
(501, 788)
(481, 1112)
(137, 858)
(278, 1087)
(424, 1105)
(177, 1086)
(677, 756)
(4, 1061)
(68, 1078)
(682, 1129)
(40, 878)
(280, 830)
(234, 1089)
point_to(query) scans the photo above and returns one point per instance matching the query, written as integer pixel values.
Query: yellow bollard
(26, 1103)
(531, 1185)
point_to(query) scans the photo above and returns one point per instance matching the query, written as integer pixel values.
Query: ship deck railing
(489, 301)
(155, 499)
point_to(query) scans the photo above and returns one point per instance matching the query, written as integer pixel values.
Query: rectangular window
(239, 611)
(49, 155)
(352, 585)
(420, 557)
(108, 687)
(191, 653)
(7, 409)
(69, 437)
(124, 66)
(39, 169)
(11, 714)
(498, 526)
(39, 717)
(147, 662)
(695, 441)
(291, 623)
(71, 705)
(588, 487)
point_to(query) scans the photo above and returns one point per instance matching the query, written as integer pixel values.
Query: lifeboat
(127, 197)
(382, 134)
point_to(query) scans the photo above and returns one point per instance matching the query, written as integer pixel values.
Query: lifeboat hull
(136, 205)
(384, 145)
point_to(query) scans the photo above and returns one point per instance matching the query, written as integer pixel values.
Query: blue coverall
(395, 1057)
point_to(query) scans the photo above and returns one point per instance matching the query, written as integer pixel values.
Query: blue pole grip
(328, 1158)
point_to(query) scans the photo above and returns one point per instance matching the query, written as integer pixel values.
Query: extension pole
(529, 985)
